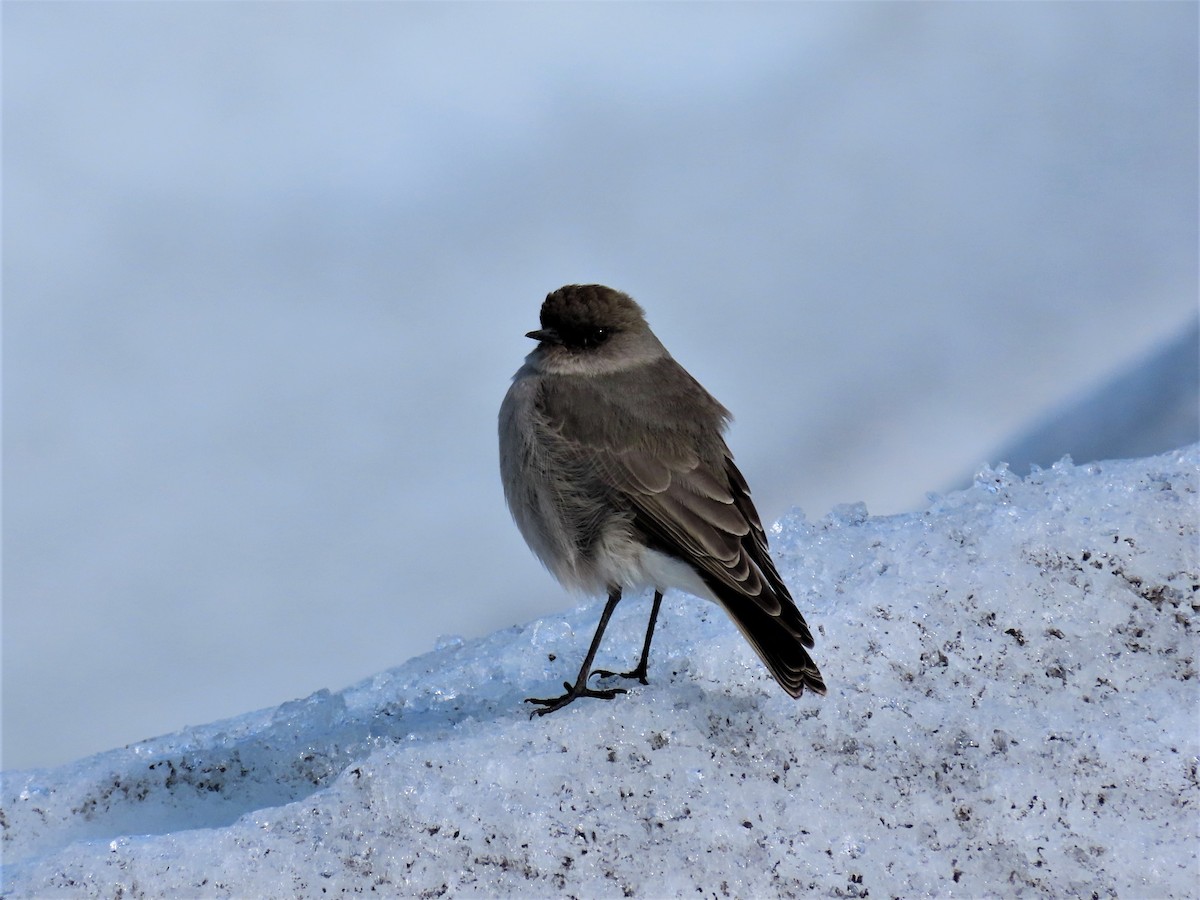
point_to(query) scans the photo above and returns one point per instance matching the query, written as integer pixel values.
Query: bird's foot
(638, 674)
(579, 689)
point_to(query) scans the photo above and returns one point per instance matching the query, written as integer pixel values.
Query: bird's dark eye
(587, 337)
(594, 337)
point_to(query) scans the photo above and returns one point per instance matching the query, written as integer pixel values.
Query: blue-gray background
(267, 268)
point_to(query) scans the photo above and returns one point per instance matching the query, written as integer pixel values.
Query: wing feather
(659, 454)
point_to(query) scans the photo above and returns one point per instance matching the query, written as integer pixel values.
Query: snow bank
(1148, 407)
(1012, 710)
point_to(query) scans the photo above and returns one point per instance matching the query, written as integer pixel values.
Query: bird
(617, 474)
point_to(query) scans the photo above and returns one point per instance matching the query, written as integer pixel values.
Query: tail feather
(781, 641)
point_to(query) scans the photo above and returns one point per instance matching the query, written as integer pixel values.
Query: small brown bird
(617, 474)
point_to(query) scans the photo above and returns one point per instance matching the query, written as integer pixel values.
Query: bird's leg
(580, 689)
(643, 666)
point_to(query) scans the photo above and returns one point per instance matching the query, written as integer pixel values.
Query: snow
(1012, 710)
(1140, 410)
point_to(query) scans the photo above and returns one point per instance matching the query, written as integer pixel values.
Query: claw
(573, 691)
(638, 674)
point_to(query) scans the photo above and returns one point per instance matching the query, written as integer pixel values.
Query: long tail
(781, 641)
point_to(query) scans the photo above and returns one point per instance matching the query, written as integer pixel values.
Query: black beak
(549, 335)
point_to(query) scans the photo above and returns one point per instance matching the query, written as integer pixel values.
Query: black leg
(581, 689)
(643, 667)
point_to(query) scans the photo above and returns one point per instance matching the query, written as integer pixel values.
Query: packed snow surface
(1012, 710)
